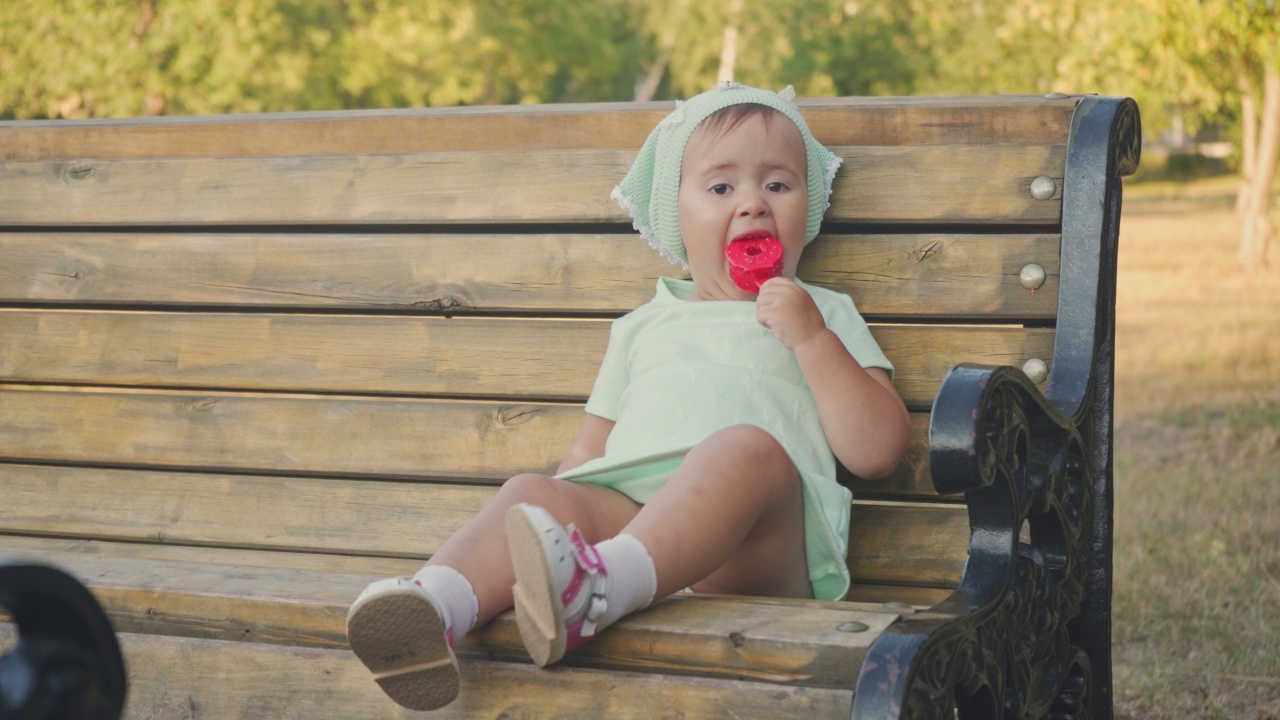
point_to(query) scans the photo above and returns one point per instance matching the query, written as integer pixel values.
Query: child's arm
(864, 419)
(590, 442)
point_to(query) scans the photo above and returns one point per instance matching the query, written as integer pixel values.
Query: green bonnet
(651, 187)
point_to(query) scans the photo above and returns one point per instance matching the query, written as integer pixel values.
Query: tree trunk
(729, 49)
(1257, 222)
(648, 85)
(1249, 142)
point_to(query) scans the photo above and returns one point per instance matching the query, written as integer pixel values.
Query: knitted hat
(651, 187)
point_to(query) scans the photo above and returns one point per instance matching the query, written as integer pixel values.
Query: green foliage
(112, 58)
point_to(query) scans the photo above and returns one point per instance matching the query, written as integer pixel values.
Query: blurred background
(1197, 554)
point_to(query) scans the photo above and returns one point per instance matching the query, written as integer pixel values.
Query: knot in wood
(80, 171)
(510, 417)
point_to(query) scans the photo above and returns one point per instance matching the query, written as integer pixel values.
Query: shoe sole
(539, 613)
(399, 636)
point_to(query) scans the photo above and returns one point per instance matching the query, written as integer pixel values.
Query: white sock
(454, 594)
(632, 579)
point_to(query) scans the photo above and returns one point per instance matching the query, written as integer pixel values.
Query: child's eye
(720, 189)
(776, 187)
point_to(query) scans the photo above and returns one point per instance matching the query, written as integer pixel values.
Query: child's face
(746, 179)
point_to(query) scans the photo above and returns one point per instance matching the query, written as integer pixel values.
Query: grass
(1197, 535)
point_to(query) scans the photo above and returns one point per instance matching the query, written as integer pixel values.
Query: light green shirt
(677, 371)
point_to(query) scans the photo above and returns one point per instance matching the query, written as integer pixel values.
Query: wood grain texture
(928, 275)
(332, 435)
(183, 677)
(862, 596)
(287, 434)
(909, 184)
(917, 545)
(788, 642)
(997, 119)
(889, 543)
(364, 565)
(513, 359)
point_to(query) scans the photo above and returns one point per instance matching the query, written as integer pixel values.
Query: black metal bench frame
(1028, 631)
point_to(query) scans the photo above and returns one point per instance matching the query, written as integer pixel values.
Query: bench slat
(919, 184)
(770, 640)
(928, 275)
(290, 434)
(834, 121)
(863, 596)
(169, 676)
(362, 437)
(896, 543)
(911, 480)
(455, 357)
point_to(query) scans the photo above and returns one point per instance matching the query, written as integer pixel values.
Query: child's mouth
(754, 257)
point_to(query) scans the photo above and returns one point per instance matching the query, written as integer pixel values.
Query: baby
(706, 457)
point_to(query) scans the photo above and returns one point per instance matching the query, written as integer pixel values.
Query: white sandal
(559, 590)
(400, 634)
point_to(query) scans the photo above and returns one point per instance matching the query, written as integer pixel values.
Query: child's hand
(790, 312)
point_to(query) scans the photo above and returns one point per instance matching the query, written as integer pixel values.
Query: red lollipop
(752, 261)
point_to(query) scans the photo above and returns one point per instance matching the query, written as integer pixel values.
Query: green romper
(677, 371)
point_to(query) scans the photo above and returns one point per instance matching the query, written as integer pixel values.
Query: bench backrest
(336, 332)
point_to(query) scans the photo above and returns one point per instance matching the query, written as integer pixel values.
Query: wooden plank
(411, 356)
(996, 119)
(910, 184)
(787, 642)
(281, 513)
(350, 517)
(368, 566)
(287, 434)
(910, 480)
(888, 275)
(917, 545)
(919, 597)
(889, 543)
(862, 596)
(183, 677)
(363, 437)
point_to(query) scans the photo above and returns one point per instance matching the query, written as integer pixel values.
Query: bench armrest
(1018, 460)
(1027, 631)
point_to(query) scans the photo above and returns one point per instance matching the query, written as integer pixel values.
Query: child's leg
(403, 629)
(479, 549)
(731, 520)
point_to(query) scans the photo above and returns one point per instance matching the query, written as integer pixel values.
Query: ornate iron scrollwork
(1027, 632)
(999, 646)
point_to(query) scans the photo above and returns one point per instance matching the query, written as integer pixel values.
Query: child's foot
(399, 633)
(559, 590)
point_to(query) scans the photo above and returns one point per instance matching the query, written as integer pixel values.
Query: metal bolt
(1036, 369)
(1043, 188)
(1032, 277)
(853, 626)
(1057, 96)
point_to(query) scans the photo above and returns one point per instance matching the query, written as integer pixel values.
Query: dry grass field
(1197, 542)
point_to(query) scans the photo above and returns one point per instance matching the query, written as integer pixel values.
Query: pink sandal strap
(589, 565)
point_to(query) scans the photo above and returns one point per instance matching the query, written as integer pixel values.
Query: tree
(1213, 57)
(1205, 60)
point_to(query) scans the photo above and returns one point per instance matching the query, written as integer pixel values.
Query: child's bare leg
(731, 520)
(479, 548)
(403, 630)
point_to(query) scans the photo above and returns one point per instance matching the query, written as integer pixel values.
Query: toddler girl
(706, 458)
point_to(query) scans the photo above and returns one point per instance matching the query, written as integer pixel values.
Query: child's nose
(753, 205)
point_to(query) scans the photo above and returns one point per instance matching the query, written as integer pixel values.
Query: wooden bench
(250, 363)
